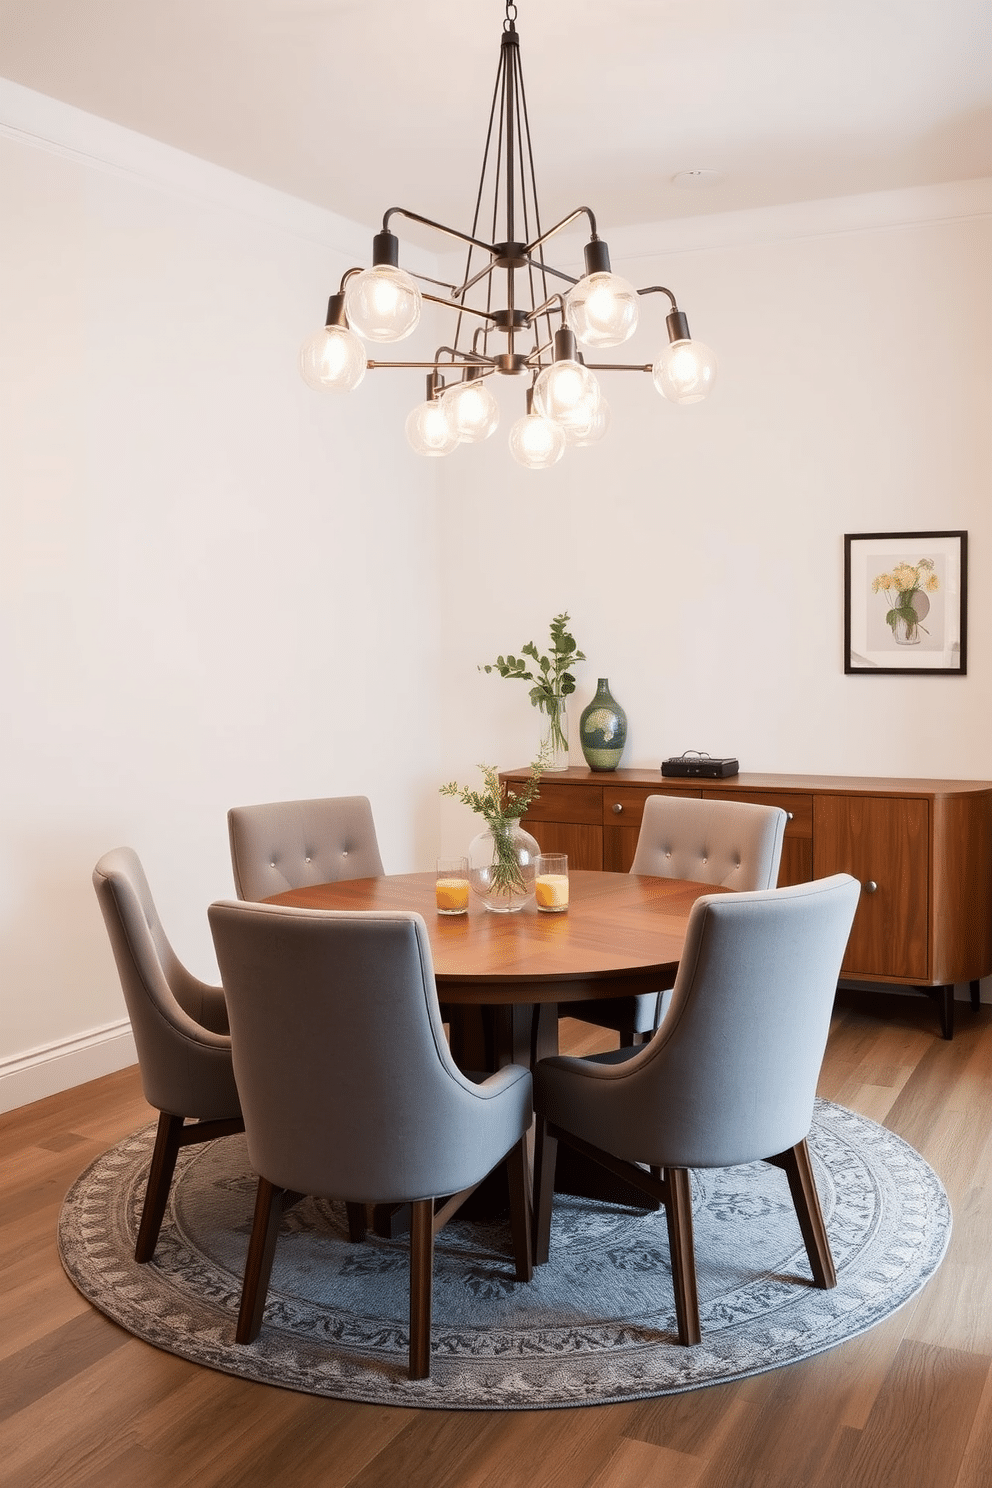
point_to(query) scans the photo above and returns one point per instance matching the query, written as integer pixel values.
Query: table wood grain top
(622, 934)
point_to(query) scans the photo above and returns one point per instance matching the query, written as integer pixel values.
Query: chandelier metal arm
(476, 362)
(452, 232)
(565, 221)
(461, 309)
(659, 289)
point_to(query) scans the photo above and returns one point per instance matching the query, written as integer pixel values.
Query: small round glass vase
(502, 862)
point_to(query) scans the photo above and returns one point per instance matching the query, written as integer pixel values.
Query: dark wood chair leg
(518, 1176)
(678, 1212)
(946, 1005)
(357, 1222)
(163, 1166)
(975, 988)
(421, 1277)
(545, 1161)
(802, 1186)
(258, 1266)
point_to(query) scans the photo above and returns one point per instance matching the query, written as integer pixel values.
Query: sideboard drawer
(799, 808)
(623, 805)
(560, 803)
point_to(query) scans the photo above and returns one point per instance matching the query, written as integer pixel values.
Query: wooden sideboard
(922, 850)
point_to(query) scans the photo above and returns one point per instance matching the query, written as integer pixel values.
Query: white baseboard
(29, 1077)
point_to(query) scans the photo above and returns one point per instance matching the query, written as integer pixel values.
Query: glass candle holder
(451, 888)
(551, 883)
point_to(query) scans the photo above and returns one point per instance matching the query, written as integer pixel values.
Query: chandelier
(516, 315)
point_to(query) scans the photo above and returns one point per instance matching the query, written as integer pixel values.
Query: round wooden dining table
(621, 934)
(500, 978)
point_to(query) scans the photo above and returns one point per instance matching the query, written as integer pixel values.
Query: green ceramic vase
(603, 729)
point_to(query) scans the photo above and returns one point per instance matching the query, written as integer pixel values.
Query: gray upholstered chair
(283, 845)
(350, 1092)
(730, 1077)
(735, 844)
(180, 1032)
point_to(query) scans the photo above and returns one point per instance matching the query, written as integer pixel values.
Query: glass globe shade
(685, 371)
(602, 310)
(332, 360)
(382, 303)
(596, 428)
(471, 410)
(428, 430)
(536, 442)
(568, 393)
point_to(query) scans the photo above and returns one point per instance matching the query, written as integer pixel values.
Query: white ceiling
(360, 105)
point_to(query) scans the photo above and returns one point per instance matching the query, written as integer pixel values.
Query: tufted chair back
(735, 844)
(284, 845)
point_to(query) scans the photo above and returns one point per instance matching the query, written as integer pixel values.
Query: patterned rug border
(887, 1212)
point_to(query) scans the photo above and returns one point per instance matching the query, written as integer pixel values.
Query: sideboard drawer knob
(791, 815)
(871, 886)
(617, 808)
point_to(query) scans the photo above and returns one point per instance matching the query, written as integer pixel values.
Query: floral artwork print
(906, 602)
(911, 584)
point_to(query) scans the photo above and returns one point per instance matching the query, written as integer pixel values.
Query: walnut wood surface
(926, 843)
(622, 933)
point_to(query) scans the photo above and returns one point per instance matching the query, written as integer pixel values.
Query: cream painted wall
(215, 585)
(699, 551)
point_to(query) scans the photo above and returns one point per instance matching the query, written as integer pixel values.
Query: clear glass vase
(554, 738)
(501, 866)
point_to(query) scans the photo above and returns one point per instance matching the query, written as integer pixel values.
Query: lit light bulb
(537, 442)
(602, 310)
(685, 371)
(568, 393)
(382, 303)
(598, 425)
(332, 360)
(428, 431)
(471, 410)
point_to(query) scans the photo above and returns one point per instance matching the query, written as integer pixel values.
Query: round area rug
(596, 1325)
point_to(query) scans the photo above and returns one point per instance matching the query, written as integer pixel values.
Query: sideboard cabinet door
(566, 820)
(885, 843)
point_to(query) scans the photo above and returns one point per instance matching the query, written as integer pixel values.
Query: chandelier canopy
(516, 314)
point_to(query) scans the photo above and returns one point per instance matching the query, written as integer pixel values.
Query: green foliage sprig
(552, 678)
(500, 806)
(497, 803)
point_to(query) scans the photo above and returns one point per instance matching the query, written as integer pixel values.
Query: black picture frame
(906, 604)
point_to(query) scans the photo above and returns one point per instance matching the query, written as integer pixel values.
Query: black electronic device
(697, 763)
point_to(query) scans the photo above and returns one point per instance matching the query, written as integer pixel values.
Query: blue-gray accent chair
(735, 844)
(180, 1032)
(349, 1090)
(730, 1077)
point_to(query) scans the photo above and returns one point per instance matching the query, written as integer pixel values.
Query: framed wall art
(906, 602)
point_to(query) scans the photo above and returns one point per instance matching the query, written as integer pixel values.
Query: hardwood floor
(908, 1405)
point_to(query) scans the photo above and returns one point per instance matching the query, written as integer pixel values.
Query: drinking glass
(451, 889)
(551, 883)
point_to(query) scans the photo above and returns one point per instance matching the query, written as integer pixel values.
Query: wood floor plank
(43, 1366)
(920, 1427)
(635, 1464)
